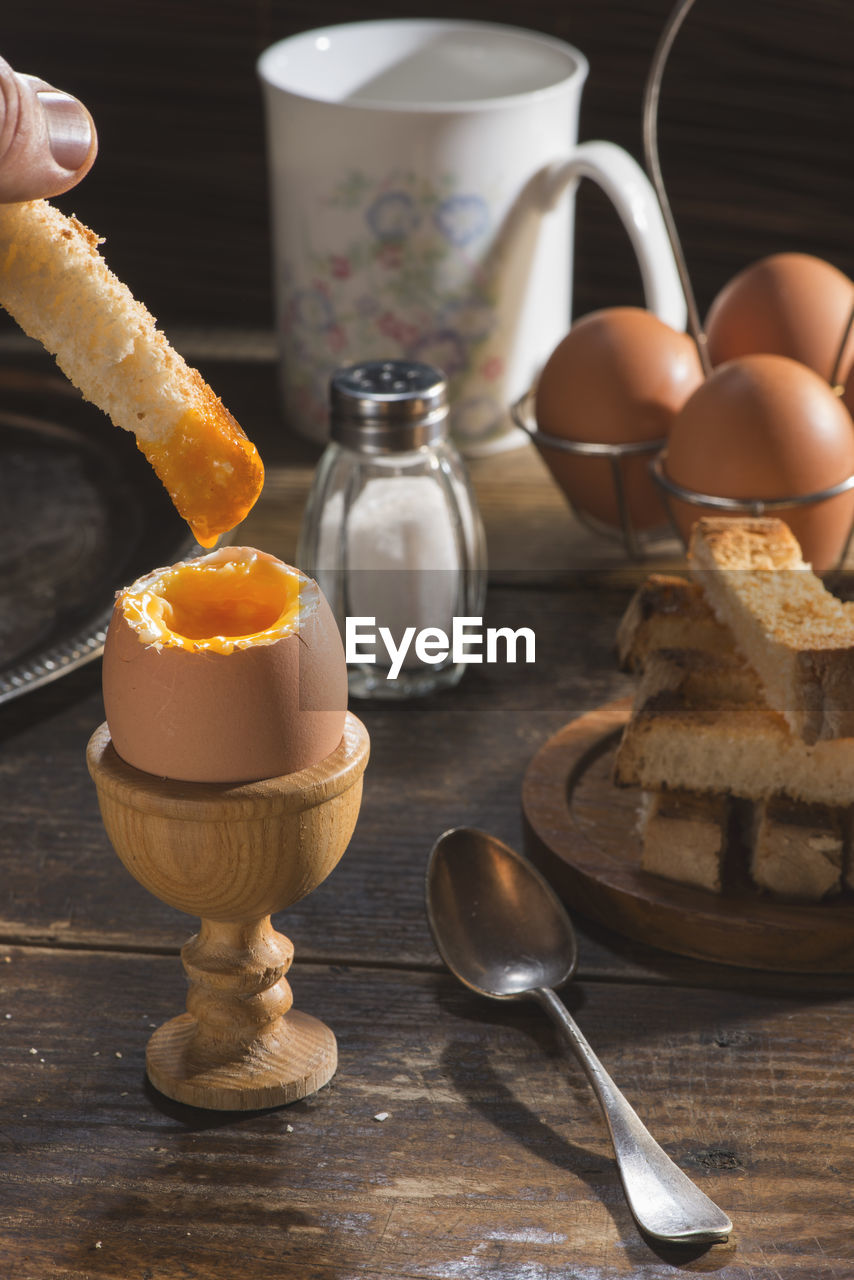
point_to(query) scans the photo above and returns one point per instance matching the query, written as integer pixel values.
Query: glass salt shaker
(392, 532)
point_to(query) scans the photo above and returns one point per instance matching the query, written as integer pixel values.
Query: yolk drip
(231, 599)
(212, 471)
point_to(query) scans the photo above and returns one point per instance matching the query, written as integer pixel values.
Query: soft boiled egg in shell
(225, 668)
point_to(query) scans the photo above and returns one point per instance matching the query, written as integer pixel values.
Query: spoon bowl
(501, 929)
(498, 924)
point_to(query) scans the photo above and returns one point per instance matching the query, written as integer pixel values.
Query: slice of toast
(796, 635)
(683, 837)
(696, 679)
(667, 612)
(796, 849)
(706, 733)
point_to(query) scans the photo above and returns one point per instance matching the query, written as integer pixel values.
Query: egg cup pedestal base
(233, 855)
(297, 1060)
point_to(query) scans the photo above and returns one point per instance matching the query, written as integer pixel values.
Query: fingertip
(52, 142)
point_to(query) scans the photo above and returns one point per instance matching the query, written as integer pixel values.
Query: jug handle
(630, 191)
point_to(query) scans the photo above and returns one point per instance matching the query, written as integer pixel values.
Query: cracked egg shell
(227, 668)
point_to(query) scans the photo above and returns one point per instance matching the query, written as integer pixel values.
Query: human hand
(47, 138)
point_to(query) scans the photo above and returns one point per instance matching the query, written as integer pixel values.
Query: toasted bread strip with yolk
(59, 289)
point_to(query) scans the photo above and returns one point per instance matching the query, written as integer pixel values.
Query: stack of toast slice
(741, 737)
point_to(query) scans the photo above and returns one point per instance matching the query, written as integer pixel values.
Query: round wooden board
(580, 831)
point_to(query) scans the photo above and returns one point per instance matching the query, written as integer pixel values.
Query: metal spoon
(502, 931)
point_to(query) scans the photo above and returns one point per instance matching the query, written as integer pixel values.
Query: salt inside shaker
(391, 531)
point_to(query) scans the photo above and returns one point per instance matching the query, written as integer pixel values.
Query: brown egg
(789, 304)
(618, 376)
(848, 394)
(226, 668)
(767, 427)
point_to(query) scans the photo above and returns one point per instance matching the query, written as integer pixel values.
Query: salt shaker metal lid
(388, 406)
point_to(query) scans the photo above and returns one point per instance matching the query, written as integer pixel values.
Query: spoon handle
(665, 1203)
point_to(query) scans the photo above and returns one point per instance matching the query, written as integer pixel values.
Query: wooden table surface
(493, 1160)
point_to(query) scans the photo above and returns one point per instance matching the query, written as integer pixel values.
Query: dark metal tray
(81, 515)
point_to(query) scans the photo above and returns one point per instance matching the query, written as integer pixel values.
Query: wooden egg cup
(233, 855)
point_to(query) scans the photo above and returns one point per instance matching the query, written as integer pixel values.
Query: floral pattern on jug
(409, 282)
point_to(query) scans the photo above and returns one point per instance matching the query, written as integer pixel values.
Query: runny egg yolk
(212, 471)
(232, 599)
